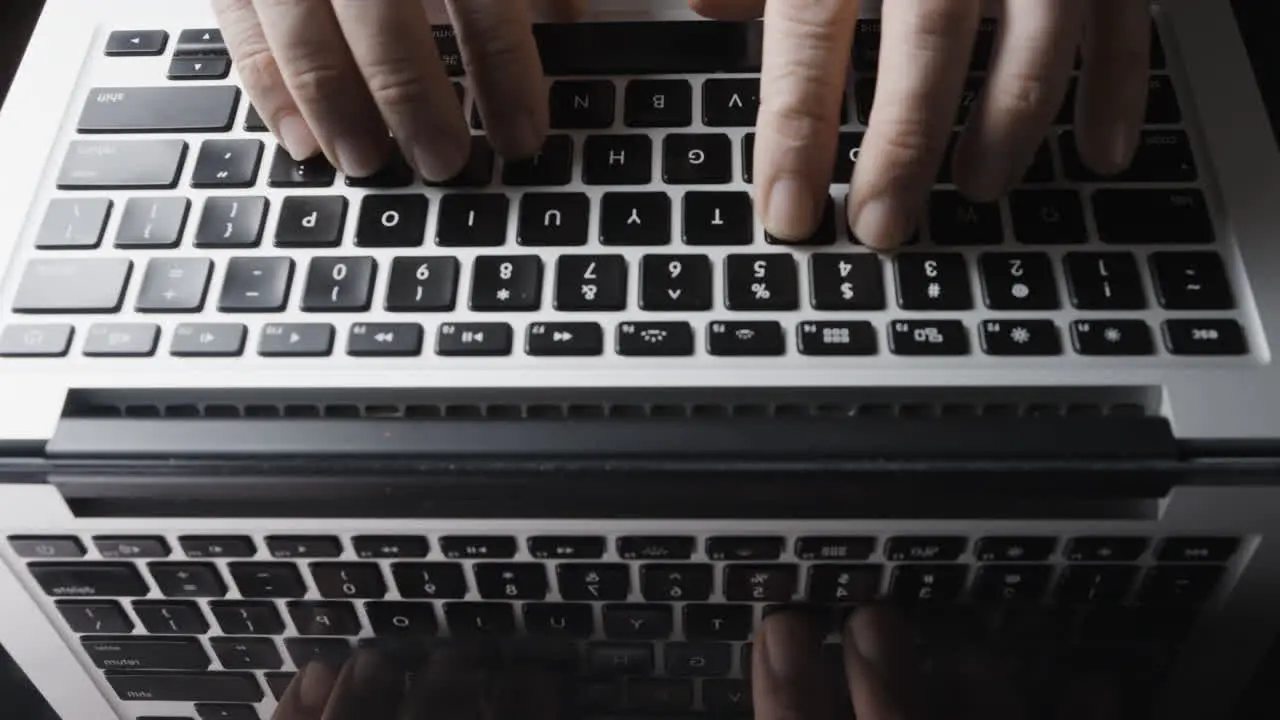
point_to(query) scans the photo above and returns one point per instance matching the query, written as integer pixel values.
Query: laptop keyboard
(178, 227)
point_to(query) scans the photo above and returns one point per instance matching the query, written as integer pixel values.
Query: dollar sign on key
(846, 291)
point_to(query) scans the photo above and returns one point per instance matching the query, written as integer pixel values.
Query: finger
(561, 10)
(498, 49)
(1113, 85)
(394, 47)
(308, 695)
(1030, 71)
(322, 76)
(925, 50)
(367, 687)
(806, 58)
(730, 10)
(261, 77)
(880, 662)
(787, 674)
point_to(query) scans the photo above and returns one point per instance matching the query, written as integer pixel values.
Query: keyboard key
(834, 548)
(660, 695)
(392, 221)
(697, 159)
(655, 339)
(332, 652)
(617, 160)
(402, 619)
(95, 616)
(159, 109)
(1014, 549)
(153, 222)
(80, 285)
(477, 220)
(474, 340)
(655, 547)
(566, 547)
(1088, 584)
(122, 164)
(64, 579)
(635, 219)
(311, 221)
(324, 618)
(385, 340)
(506, 283)
(267, 580)
(562, 620)
(423, 284)
(593, 581)
(136, 43)
(1140, 217)
(928, 549)
(341, 284)
(200, 42)
(242, 653)
(146, 653)
(61, 547)
(296, 340)
(473, 619)
(314, 172)
(1020, 338)
(278, 683)
(74, 224)
(620, 658)
(1162, 156)
(591, 283)
(429, 580)
(199, 69)
(247, 617)
(1011, 583)
(227, 164)
(171, 617)
(847, 153)
(174, 686)
(1104, 281)
(1197, 549)
(840, 338)
(217, 546)
(760, 583)
(510, 581)
(478, 547)
(1048, 217)
(553, 166)
(1112, 337)
(256, 284)
(478, 172)
(846, 282)
(658, 104)
(744, 548)
(188, 580)
(1205, 337)
(675, 283)
(1019, 281)
(746, 339)
(348, 580)
(565, 340)
(1180, 586)
(582, 104)
(671, 583)
(232, 222)
(1105, 549)
(637, 622)
(554, 219)
(934, 281)
(131, 547)
(730, 102)
(844, 583)
(718, 218)
(1191, 281)
(391, 546)
(396, 173)
(953, 220)
(717, 622)
(208, 340)
(761, 282)
(726, 697)
(927, 584)
(928, 338)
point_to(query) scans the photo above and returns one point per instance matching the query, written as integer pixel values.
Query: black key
(474, 220)
(1162, 156)
(296, 340)
(88, 580)
(1196, 549)
(1020, 338)
(146, 653)
(188, 580)
(478, 172)
(122, 164)
(208, 340)
(761, 282)
(1104, 281)
(217, 546)
(582, 104)
(200, 41)
(256, 284)
(324, 618)
(928, 338)
(153, 222)
(746, 339)
(429, 580)
(642, 218)
(227, 164)
(1112, 337)
(278, 683)
(953, 220)
(847, 152)
(660, 695)
(697, 159)
(718, 218)
(311, 221)
(927, 584)
(563, 620)
(1105, 549)
(1083, 584)
(471, 619)
(131, 547)
(80, 285)
(1048, 217)
(565, 340)
(390, 546)
(591, 283)
(385, 340)
(348, 580)
(1014, 549)
(726, 697)
(1205, 337)
(655, 339)
(1139, 217)
(847, 282)
(49, 547)
(1042, 169)
(1162, 102)
(844, 583)
(1191, 281)
(159, 110)
(232, 222)
(474, 340)
(760, 583)
(171, 617)
(933, 281)
(617, 160)
(247, 618)
(824, 235)
(510, 581)
(343, 284)
(74, 223)
(333, 652)
(94, 616)
(135, 43)
(554, 219)
(314, 172)
(402, 618)
(620, 658)
(170, 686)
(671, 582)
(926, 549)
(423, 284)
(744, 548)
(506, 283)
(717, 622)
(566, 547)
(834, 548)
(730, 102)
(246, 653)
(226, 711)
(593, 581)
(864, 95)
(1011, 583)
(253, 121)
(658, 104)
(395, 174)
(478, 547)
(199, 68)
(675, 283)
(552, 166)
(267, 580)
(121, 340)
(637, 622)
(1180, 586)
(655, 547)
(837, 337)
(392, 221)
(1019, 281)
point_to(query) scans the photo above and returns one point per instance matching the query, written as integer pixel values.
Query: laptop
(256, 415)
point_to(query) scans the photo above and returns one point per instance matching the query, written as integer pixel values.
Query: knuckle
(1023, 96)
(396, 84)
(257, 67)
(906, 141)
(315, 80)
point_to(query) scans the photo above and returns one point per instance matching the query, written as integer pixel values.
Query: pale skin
(333, 77)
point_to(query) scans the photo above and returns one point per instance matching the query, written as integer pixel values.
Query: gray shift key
(79, 285)
(159, 109)
(126, 164)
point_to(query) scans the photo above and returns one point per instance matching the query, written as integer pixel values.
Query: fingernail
(443, 162)
(357, 159)
(791, 213)
(879, 224)
(297, 138)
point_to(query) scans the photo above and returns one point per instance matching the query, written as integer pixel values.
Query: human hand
(925, 50)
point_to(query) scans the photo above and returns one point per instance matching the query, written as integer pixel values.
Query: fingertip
(880, 223)
(296, 137)
(1107, 148)
(791, 211)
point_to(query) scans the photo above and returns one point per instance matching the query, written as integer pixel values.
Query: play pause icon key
(136, 43)
(296, 340)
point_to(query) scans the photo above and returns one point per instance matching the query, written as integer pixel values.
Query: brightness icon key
(1014, 337)
(655, 339)
(1112, 337)
(741, 339)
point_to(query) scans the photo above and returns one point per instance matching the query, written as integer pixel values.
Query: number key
(852, 281)
(423, 284)
(933, 282)
(348, 580)
(1104, 281)
(675, 282)
(591, 282)
(761, 282)
(339, 285)
(1019, 281)
(507, 283)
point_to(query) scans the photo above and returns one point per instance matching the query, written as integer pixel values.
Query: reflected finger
(728, 10)
(308, 695)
